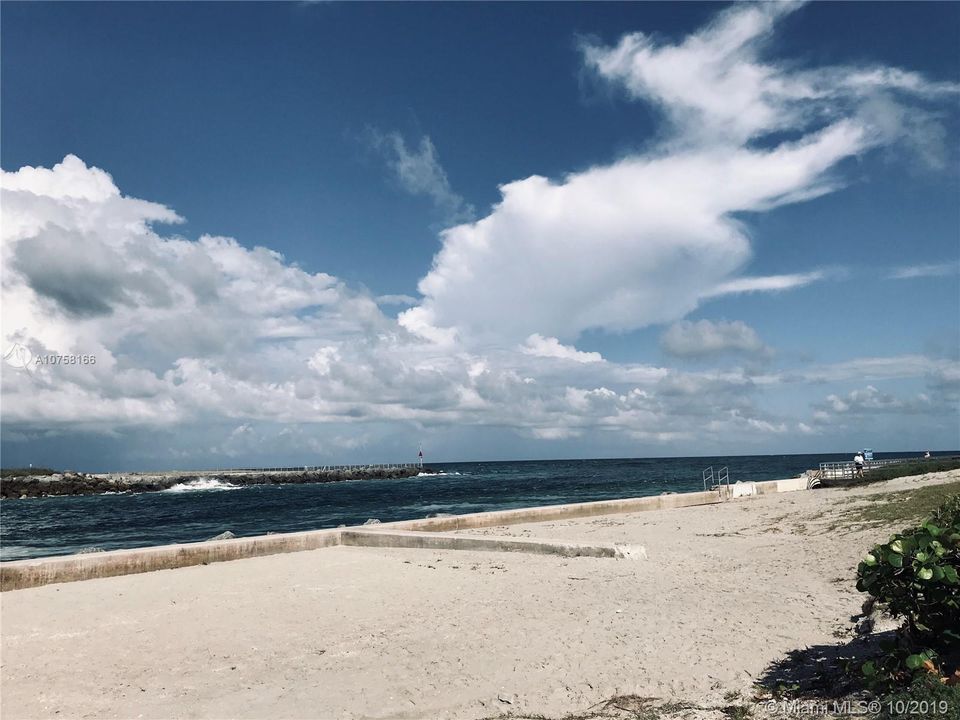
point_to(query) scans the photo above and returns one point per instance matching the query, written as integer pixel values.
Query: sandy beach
(724, 591)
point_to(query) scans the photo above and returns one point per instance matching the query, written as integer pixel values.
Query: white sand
(369, 633)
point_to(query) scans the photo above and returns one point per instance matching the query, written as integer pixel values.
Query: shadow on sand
(824, 671)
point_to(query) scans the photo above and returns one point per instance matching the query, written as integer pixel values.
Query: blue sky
(809, 148)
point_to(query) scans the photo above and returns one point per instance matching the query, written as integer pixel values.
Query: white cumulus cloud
(549, 347)
(716, 87)
(191, 333)
(646, 239)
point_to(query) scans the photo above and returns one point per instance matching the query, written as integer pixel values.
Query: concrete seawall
(69, 568)
(21, 574)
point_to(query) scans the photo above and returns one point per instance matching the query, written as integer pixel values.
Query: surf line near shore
(70, 483)
(424, 533)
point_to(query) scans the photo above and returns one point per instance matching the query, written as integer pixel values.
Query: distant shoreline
(69, 483)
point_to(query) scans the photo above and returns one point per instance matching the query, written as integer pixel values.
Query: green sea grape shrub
(916, 576)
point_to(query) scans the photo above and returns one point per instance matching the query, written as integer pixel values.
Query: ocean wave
(436, 474)
(453, 508)
(202, 484)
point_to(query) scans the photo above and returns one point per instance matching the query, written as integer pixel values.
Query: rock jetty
(77, 483)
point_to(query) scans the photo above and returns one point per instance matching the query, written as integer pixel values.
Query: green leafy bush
(916, 576)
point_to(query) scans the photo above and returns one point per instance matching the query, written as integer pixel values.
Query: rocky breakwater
(70, 483)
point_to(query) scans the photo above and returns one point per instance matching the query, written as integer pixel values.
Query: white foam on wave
(436, 474)
(203, 483)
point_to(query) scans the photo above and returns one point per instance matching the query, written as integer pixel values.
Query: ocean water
(39, 527)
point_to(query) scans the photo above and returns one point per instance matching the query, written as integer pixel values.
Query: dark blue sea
(38, 527)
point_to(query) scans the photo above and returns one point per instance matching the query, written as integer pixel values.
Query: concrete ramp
(22, 574)
(442, 541)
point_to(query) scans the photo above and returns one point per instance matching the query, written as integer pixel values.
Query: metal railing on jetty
(847, 469)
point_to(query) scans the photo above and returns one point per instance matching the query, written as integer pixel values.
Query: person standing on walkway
(858, 464)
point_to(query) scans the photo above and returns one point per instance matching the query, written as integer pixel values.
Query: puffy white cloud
(946, 379)
(920, 417)
(767, 427)
(188, 334)
(618, 247)
(85, 273)
(870, 399)
(552, 348)
(70, 179)
(714, 87)
(711, 84)
(705, 338)
(191, 333)
(646, 239)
